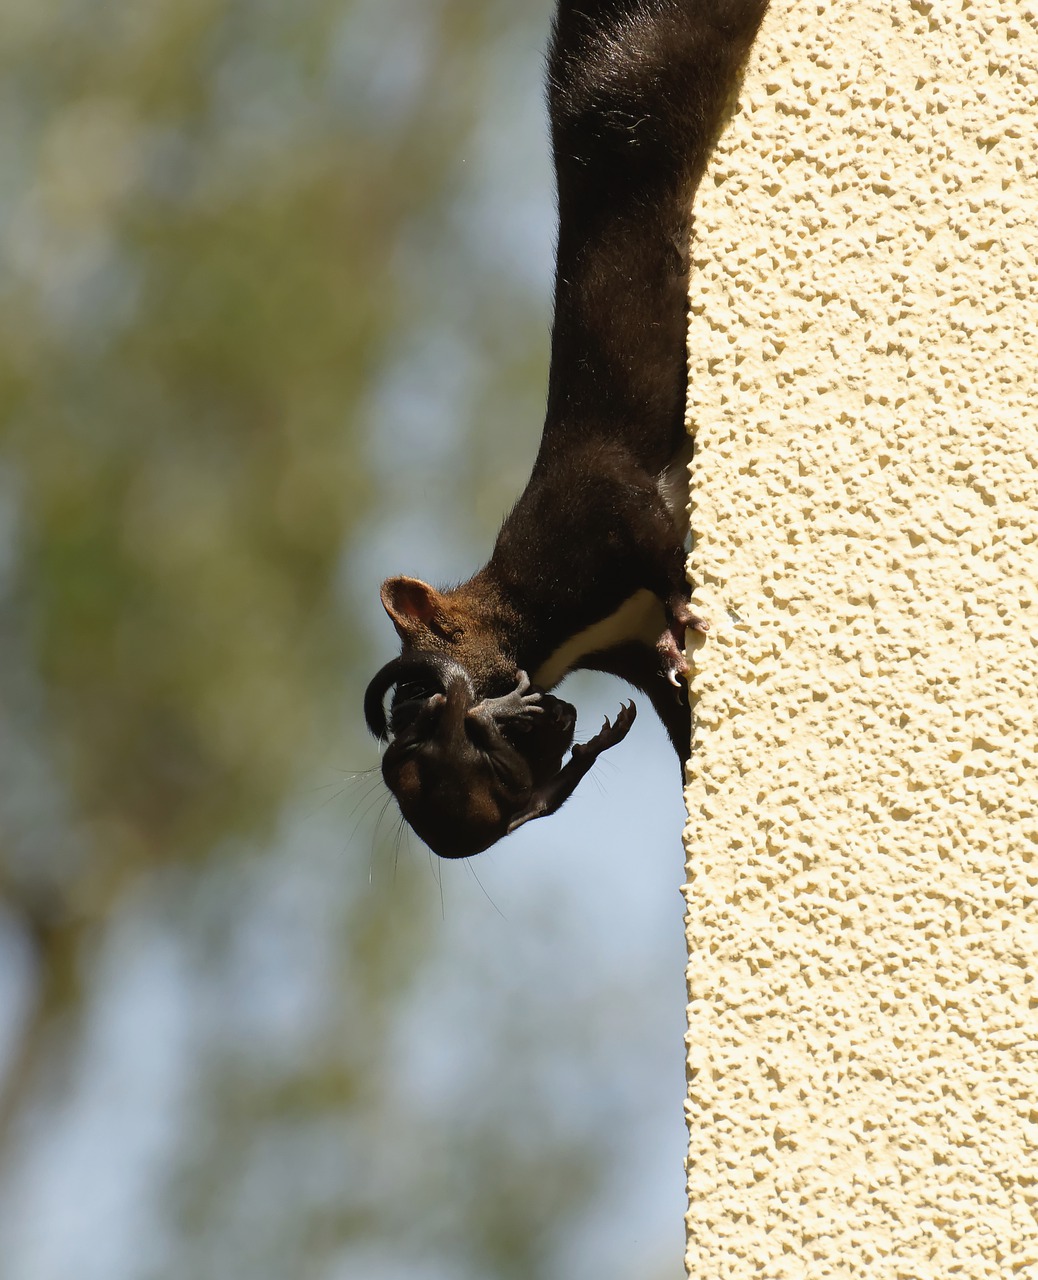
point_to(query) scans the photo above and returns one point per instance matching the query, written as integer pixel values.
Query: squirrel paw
(672, 660)
(671, 644)
(683, 617)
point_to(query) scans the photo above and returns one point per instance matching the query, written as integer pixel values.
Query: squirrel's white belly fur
(640, 617)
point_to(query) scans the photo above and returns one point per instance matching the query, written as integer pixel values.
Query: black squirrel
(588, 570)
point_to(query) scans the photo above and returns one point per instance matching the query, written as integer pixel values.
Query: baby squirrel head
(465, 771)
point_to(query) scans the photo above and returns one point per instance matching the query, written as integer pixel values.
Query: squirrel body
(588, 570)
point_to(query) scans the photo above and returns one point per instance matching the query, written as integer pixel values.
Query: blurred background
(274, 308)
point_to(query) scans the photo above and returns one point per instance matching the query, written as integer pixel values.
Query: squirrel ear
(411, 604)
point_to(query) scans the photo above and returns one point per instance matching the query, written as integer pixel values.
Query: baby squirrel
(588, 571)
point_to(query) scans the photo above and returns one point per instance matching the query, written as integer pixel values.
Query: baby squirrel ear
(414, 607)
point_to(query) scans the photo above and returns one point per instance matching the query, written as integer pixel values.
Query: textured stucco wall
(863, 793)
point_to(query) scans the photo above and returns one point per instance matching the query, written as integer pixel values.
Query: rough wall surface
(863, 927)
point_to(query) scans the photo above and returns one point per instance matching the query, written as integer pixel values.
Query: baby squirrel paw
(609, 735)
(522, 701)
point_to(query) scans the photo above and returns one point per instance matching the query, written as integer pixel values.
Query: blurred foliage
(197, 299)
(197, 223)
(223, 227)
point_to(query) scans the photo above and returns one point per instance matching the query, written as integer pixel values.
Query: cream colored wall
(863, 833)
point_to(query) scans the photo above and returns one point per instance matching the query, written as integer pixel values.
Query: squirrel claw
(672, 660)
(683, 617)
(611, 732)
(671, 644)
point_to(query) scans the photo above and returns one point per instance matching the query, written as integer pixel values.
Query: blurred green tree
(224, 227)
